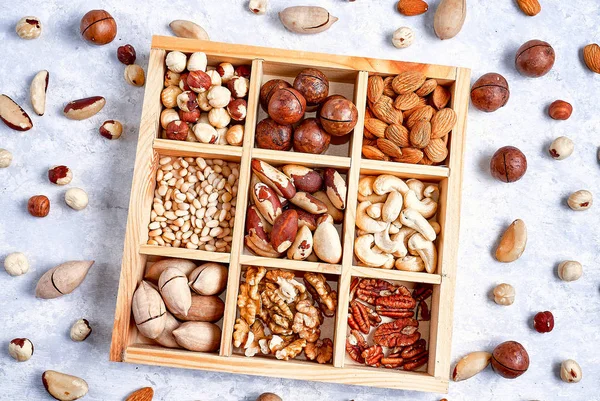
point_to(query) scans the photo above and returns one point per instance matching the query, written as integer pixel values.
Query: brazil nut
(302, 246)
(274, 178)
(303, 178)
(266, 201)
(255, 222)
(336, 214)
(335, 188)
(309, 203)
(284, 230)
(84, 108)
(306, 219)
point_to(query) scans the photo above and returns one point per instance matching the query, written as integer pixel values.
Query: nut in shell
(134, 75)
(62, 279)
(403, 37)
(98, 27)
(80, 330)
(76, 198)
(21, 349)
(570, 270)
(504, 294)
(208, 279)
(561, 148)
(580, 200)
(173, 286)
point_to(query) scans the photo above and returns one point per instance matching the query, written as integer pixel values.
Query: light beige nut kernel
(513, 242)
(76, 198)
(580, 200)
(21, 349)
(5, 158)
(570, 270)
(561, 148)
(403, 37)
(134, 75)
(16, 264)
(80, 330)
(570, 371)
(29, 28)
(504, 294)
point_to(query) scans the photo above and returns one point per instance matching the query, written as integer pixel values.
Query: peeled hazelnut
(60, 175)
(21, 349)
(168, 96)
(98, 27)
(504, 294)
(177, 130)
(561, 148)
(198, 81)
(215, 78)
(205, 133)
(172, 78)
(235, 135)
(126, 54)
(190, 116)
(134, 75)
(80, 330)
(218, 117)
(403, 37)
(168, 115)
(183, 82)
(570, 371)
(29, 28)
(176, 61)
(570, 270)
(16, 264)
(508, 164)
(543, 322)
(5, 158)
(560, 110)
(219, 96)
(112, 129)
(38, 206)
(580, 200)
(186, 101)
(226, 71)
(76, 198)
(197, 62)
(237, 109)
(202, 100)
(238, 86)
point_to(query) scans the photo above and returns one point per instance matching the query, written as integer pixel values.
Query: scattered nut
(513, 242)
(591, 57)
(64, 387)
(76, 198)
(412, 7)
(16, 264)
(188, 29)
(176, 61)
(306, 19)
(403, 37)
(13, 115)
(98, 27)
(543, 322)
(534, 58)
(570, 270)
(145, 393)
(37, 92)
(510, 360)
(580, 200)
(570, 371)
(29, 28)
(561, 148)
(504, 294)
(268, 397)
(490, 92)
(5, 158)
(508, 164)
(560, 110)
(134, 75)
(21, 349)
(80, 330)
(471, 364)
(62, 279)
(258, 6)
(82, 109)
(111, 129)
(60, 175)
(126, 54)
(38, 206)
(186, 101)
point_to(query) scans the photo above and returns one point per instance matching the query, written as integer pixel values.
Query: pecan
(416, 363)
(373, 355)
(414, 351)
(360, 317)
(402, 290)
(399, 333)
(370, 289)
(355, 345)
(394, 313)
(396, 301)
(423, 311)
(422, 291)
(353, 287)
(392, 362)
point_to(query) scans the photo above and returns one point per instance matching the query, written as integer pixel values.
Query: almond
(406, 102)
(385, 111)
(143, 394)
(530, 7)
(369, 113)
(426, 161)
(388, 89)
(408, 81)
(591, 56)
(426, 88)
(13, 115)
(421, 114)
(388, 147)
(440, 97)
(410, 155)
(436, 150)
(420, 134)
(398, 134)
(412, 7)
(442, 123)
(376, 127)
(373, 153)
(374, 88)
(407, 113)
(368, 134)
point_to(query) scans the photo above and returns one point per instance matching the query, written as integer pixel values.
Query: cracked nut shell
(338, 116)
(273, 135)
(560, 110)
(490, 92)
(310, 137)
(535, 58)
(287, 106)
(267, 90)
(510, 360)
(508, 164)
(98, 27)
(313, 85)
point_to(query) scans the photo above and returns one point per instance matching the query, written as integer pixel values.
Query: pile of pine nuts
(194, 203)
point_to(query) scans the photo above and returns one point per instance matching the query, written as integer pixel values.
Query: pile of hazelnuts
(286, 104)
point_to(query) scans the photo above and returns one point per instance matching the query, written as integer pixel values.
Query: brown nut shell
(267, 90)
(287, 106)
(508, 164)
(535, 58)
(204, 308)
(510, 360)
(310, 137)
(272, 135)
(490, 92)
(98, 27)
(338, 116)
(313, 85)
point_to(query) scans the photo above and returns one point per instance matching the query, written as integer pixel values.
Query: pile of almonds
(407, 119)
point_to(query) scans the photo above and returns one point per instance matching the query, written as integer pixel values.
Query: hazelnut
(510, 360)
(203, 102)
(134, 75)
(287, 106)
(258, 7)
(490, 92)
(570, 270)
(190, 116)
(560, 110)
(183, 82)
(267, 90)
(226, 71)
(176, 61)
(534, 58)
(205, 133)
(218, 117)
(5, 158)
(168, 96)
(504, 294)
(561, 148)
(338, 116)
(29, 28)
(219, 96)
(186, 101)
(16, 264)
(126, 54)
(272, 135)
(80, 330)
(198, 81)
(76, 198)
(570, 371)
(235, 135)
(238, 86)
(403, 37)
(310, 137)
(21, 349)
(215, 78)
(204, 119)
(313, 85)
(60, 175)
(98, 27)
(221, 136)
(580, 200)
(243, 70)
(172, 78)
(112, 129)
(38, 206)
(168, 115)
(177, 130)
(237, 109)
(197, 62)
(543, 322)
(508, 164)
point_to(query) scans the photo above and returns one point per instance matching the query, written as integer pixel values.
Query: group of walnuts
(407, 119)
(282, 317)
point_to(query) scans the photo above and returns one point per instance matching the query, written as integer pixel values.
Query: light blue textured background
(493, 32)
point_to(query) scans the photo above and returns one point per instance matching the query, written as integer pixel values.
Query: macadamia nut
(176, 61)
(5, 158)
(570, 270)
(197, 62)
(76, 198)
(219, 96)
(21, 349)
(16, 264)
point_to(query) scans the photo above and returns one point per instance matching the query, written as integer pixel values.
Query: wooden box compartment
(349, 75)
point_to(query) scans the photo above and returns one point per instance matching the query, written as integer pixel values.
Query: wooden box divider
(129, 346)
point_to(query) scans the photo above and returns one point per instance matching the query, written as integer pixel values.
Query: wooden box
(349, 76)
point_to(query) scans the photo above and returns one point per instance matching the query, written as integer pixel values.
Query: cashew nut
(363, 251)
(394, 229)
(374, 210)
(390, 263)
(365, 222)
(410, 264)
(387, 183)
(416, 186)
(392, 207)
(426, 250)
(384, 242)
(427, 207)
(436, 226)
(413, 219)
(402, 239)
(365, 190)
(432, 192)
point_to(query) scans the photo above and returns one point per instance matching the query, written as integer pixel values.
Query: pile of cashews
(395, 223)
